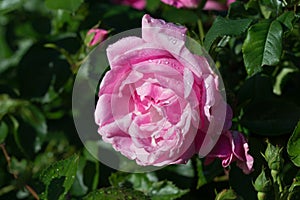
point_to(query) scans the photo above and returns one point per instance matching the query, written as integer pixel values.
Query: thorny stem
(8, 160)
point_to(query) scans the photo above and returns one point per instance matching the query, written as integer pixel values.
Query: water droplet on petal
(167, 62)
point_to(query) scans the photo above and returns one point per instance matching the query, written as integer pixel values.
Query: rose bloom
(159, 104)
(232, 146)
(209, 5)
(137, 4)
(217, 5)
(95, 36)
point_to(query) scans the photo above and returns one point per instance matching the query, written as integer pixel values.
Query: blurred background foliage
(255, 45)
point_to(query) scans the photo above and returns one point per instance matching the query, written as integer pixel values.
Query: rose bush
(159, 104)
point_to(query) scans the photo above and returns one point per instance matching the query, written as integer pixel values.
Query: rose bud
(95, 36)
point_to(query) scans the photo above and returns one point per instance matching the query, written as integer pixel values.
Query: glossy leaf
(287, 19)
(63, 172)
(225, 27)
(262, 46)
(112, 193)
(293, 146)
(148, 183)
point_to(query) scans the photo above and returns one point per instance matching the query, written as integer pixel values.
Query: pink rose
(95, 36)
(182, 3)
(217, 5)
(137, 4)
(232, 146)
(209, 5)
(159, 104)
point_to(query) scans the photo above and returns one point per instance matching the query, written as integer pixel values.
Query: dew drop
(167, 62)
(150, 61)
(174, 41)
(73, 176)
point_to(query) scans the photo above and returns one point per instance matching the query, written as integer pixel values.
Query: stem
(277, 184)
(7, 189)
(201, 30)
(8, 160)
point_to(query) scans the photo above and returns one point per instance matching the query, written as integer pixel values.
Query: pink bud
(95, 36)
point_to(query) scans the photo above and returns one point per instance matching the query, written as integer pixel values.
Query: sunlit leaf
(63, 173)
(148, 183)
(262, 46)
(112, 193)
(225, 27)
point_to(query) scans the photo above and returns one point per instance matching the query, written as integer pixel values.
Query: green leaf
(225, 27)
(293, 146)
(226, 195)
(112, 193)
(281, 78)
(148, 183)
(166, 190)
(270, 6)
(10, 5)
(79, 188)
(262, 183)
(7, 105)
(62, 172)
(3, 131)
(262, 46)
(201, 177)
(69, 5)
(287, 19)
(271, 117)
